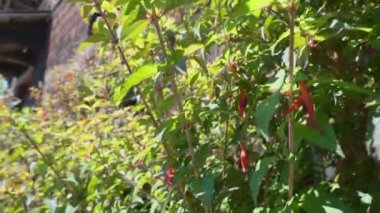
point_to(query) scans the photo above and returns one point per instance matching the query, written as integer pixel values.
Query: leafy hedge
(241, 106)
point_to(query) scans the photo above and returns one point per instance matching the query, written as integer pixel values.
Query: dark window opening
(24, 40)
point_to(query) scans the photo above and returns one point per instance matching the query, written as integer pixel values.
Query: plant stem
(134, 184)
(225, 148)
(124, 59)
(33, 143)
(185, 198)
(176, 92)
(292, 14)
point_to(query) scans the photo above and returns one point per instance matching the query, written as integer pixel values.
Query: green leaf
(132, 16)
(70, 209)
(329, 133)
(326, 140)
(317, 201)
(348, 86)
(202, 63)
(208, 188)
(154, 207)
(303, 58)
(171, 4)
(92, 184)
(256, 5)
(141, 74)
(278, 83)
(365, 198)
(258, 175)
(264, 113)
(204, 189)
(17, 153)
(282, 37)
(51, 204)
(96, 38)
(192, 48)
(133, 31)
(107, 6)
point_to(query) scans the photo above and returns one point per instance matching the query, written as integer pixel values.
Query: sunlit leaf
(257, 5)
(193, 48)
(325, 141)
(141, 74)
(133, 31)
(348, 86)
(264, 112)
(171, 4)
(314, 201)
(262, 167)
(107, 6)
(208, 188)
(365, 198)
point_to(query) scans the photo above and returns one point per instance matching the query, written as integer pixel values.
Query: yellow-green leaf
(193, 48)
(134, 30)
(141, 74)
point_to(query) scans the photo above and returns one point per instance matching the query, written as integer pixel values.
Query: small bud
(308, 104)
(243, 158)
(169, 175)
(296, 104)
(242, 103)
(233, 66)
(313, 43)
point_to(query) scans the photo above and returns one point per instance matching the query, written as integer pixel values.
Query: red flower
(242, 103)
(293, 107)
(307, 102)
(313, 43)
(169, 175)
(232, 65)
(243, 158)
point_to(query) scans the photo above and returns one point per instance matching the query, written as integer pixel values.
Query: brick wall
(67, 31)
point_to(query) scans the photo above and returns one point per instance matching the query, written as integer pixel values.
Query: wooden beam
(7, 5)
(22, 5)
(19, 5)
(10, 47)
(16, 61)
(25, 14)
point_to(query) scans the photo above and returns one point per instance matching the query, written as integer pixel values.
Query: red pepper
(307, 101)
(243, 158)
(242, 103)
(169, 175)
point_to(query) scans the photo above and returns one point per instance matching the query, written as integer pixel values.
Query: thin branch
(226, 136)
(178, 97)
(278, 16)
(292, 17)
(175, 91)
(183, 193)
(33, 143)
(134, 184)
(124, 59)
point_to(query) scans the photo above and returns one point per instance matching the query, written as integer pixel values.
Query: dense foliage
(214, 86)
